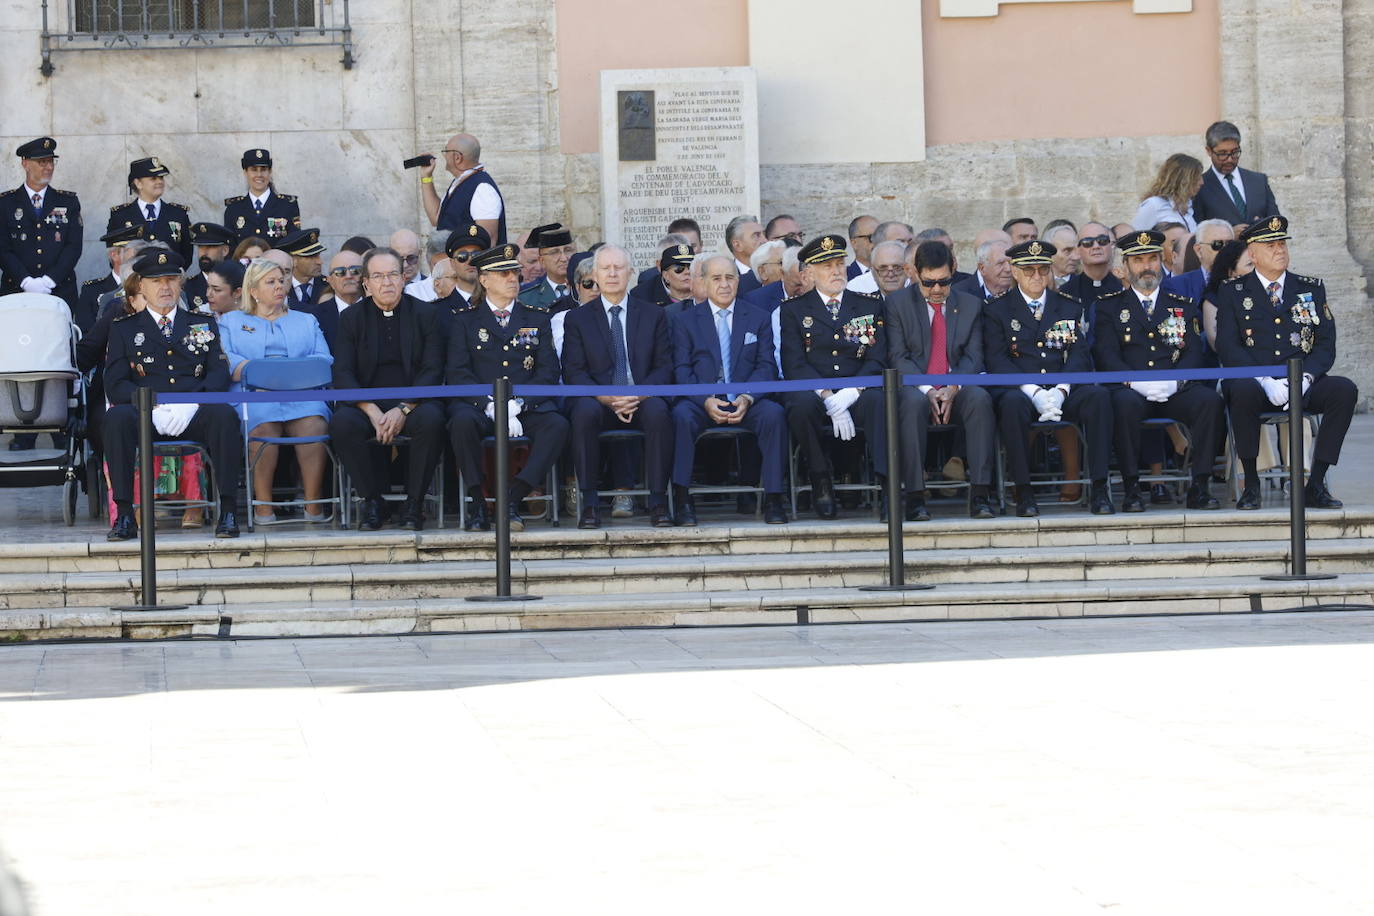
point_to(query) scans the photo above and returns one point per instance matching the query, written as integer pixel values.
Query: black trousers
(547, 430)
(216, 426)
(1332, 396)
(807, 420)
(1197, 406)
(1089, 406)
(368, 463)
(589, 417)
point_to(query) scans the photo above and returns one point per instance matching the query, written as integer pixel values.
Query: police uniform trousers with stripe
(547, 431)
(1197, 406)
(1089, 406)
(1332, 396)
(216, 426)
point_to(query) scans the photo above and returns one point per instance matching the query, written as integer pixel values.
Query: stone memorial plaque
(674, 143)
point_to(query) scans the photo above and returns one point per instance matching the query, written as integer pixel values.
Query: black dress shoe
(590, 518)
(1027, 508)
(1249, 498)
(478, 518)
(413, 516)
(1200, 498)
(1160, 495)
(774, 512)
(123, 529)
(370, 517)
(981, 507)
(228, 526)
(746, 503)
(1131, 501)
(916, 510)
(686, 511)
(659, 517)
(823, 497)
(517, 522)
(1100, 501)
(1317, 496)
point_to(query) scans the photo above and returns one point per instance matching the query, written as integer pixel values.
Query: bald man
(472, 196)
(407, 244)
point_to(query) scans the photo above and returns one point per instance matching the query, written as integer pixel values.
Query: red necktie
(939, 354)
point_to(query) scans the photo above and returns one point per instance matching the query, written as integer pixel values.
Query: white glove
(48, 282)
(174, 418)
(1275, 390)
(1165, 390)
(843, 425)
(513, 408)
(1050, 403)
(841, 401)
(491, 410)
(514, 427)
(1306, 384)
(162, 415)
(32, 285)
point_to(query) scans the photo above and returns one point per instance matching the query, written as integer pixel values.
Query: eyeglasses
(798, 236)
(587, 284)
(1226, 154)
(942, 282)
(1089, 241)
(463, 257)
(345, 271)
(890, 269)
(410, 259)
(679, 268)
(857, 237)
(1035, 270)
(1217, 244)
(390, 276)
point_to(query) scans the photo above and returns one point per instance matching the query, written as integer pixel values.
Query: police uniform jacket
(480, 351)
(193, 291)
(44, 244)
(1127, 340)
(172, 226)
(140, 357)
(1250, 332)
(816, 346)
(88, 301)
(357, 343)
(280, 216)
(1013, 341)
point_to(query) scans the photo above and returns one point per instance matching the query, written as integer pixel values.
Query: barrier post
(1297, 495)
(145, 399)
(896, 569)
(500, 393)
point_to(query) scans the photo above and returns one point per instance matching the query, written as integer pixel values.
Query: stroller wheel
(71, 489)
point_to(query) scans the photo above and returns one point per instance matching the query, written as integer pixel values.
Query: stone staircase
(303, 583)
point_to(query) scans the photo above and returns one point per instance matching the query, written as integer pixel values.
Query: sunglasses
(346, 272)
(463, 257)
(679, 268)
(942, 282)
(1092, 240)
(411, 259)
(1217, 244)
(588, 284)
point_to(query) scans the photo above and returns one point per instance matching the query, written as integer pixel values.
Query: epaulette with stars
(791, 299)
(60, 191)
(118, 207)
(168, 203)
(1315, 281)
(1072, 298)
(868, 295)
(532, 307)
(1115, 292)
(126, 317)
(289, 198)
(1178, 296)
(91, 282)
(234, 200)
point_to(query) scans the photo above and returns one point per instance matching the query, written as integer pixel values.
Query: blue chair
(308, 374)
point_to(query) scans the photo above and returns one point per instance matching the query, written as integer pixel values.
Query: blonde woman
(1170, 197)
(264, 328)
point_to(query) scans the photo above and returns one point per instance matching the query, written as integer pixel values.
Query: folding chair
(1278, 475)
(550, 485)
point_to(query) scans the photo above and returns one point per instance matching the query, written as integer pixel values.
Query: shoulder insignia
(1179, 296)
(126, 317)
(1073, 299)
(62, 192)
(289, 198)
(534, 307)
(233, 200)
(792, 298)
(91, 282)
(181, 207)
(1315, 281)
(1115, 292)
(118, 207)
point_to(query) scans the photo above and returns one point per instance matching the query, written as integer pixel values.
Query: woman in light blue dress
(264, 328)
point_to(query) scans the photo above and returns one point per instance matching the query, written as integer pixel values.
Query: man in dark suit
(726, 340)
(501, 336)
(934, 330)
(167, 349)
(1211, 236)
(1144, 328)
(262, 211)
(618, 340)
(1228, 191)
(1266, 318)
(388, 340)
(742, 235)
(1033, 328)
(555, 244)
(40, 240)
(832, 332)
(163, 221)
(861, 242)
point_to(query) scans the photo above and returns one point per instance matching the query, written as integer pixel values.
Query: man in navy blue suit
(1209, 239)
(726, 340)
(618, 340)
(1228, 191)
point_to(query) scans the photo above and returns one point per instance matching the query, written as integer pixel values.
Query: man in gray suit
(922, 317)
(1228, 191)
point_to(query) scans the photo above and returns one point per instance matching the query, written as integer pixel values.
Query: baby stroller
(41, 391)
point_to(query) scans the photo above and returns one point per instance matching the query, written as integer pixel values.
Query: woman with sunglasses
(1170, 196)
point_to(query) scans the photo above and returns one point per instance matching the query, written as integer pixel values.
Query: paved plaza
(1214, 764)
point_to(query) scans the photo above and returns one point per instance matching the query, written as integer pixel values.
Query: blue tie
(622, 359)
(723, 335)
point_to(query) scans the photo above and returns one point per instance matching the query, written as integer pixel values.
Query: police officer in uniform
(500, 335)
(555, 244)
(833, 332)
(1146, 329)
(1034, 328)
(1266, 318)
(88, 300)
(462, 246)
(41, 238)
(169, 350)
(162, 220)
(262, 211)
(213, 243)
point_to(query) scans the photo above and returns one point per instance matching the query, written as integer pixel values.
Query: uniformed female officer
(262, 211)
(162, 221)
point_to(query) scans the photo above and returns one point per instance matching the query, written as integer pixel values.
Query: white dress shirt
(1235, 174)
(42, 194)
(144, 204)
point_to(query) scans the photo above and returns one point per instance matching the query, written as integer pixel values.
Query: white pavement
(1134, 766)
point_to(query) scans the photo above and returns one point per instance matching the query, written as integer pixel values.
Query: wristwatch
(406, 409)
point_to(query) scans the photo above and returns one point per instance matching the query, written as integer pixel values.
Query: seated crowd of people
(464, 308)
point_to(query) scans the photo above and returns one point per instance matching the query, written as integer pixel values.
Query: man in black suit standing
(618, 340)
(933, 329)
(388, 340)
(1230, 192)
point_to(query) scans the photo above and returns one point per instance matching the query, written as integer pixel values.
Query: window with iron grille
(127, 16)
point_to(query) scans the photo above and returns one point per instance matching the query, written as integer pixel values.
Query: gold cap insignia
(47, 144)
(827, 243)
(162, 259)
(1036, 248)
(683, 250)
(156, 164)
(472, 230)
(1143, 238)
(262, 154)
(1275, 224)
(510, 251)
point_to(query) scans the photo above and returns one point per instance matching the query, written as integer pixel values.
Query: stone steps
(1156, 595)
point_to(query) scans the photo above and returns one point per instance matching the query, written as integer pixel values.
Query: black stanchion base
(504, 598)
(150, 607)
(1289, 577)
(909, 587)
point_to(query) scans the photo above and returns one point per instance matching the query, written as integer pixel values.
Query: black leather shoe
(478, 519)
(1249, 498)
(1131, 501)
(774, 512)
(686, 510)
(1199, 496)
(413, 516)
(823, 497)
(916, 510)
(228, 526)
(590, 518)
(1026, 507)
(1100, 501)
(659, 517)
(1160, 495)
(123, 529)
(1317, 496)
(370, 516)
(517, 521)
(981, 507)
(746, 503)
